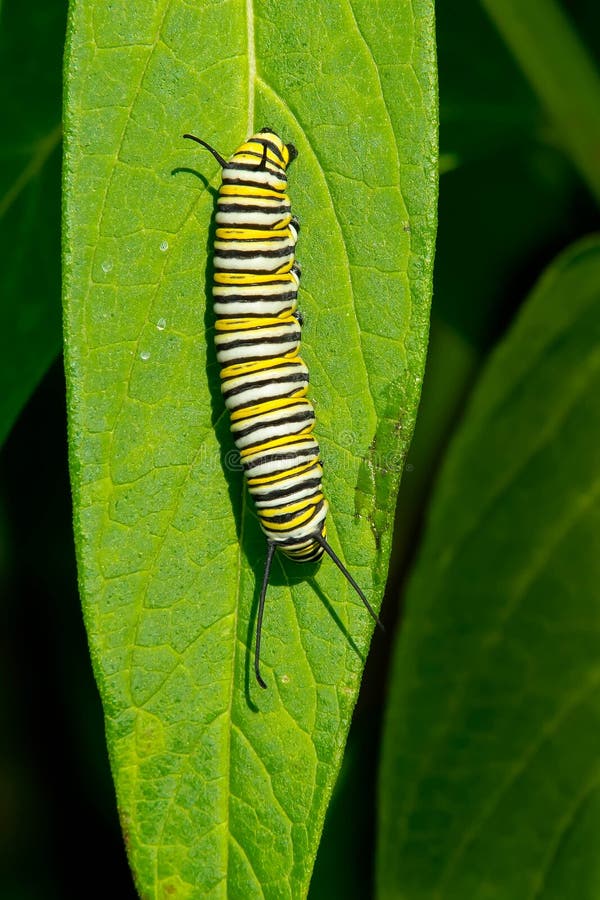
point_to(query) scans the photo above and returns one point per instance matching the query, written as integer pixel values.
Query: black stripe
(255, 254)
(303, 548)
(287, 492)
(265, 142)
(300, 417)
(241, 227)
(299, 410)
(262, 143)
(285, 455)
(229, 270)
(231, 317)
(262, 158)
(290, 394)
(298, 377)
(272, 236)
(250, 298)
(309, 554)
(277, 477)
(252, 342)
(289, 517)
(249, 358)
(251, 207)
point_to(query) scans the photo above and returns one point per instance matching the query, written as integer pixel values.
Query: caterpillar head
(286, 152)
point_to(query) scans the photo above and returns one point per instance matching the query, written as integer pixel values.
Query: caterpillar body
(257, 334)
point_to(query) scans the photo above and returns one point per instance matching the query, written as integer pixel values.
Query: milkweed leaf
(490, 762)
(222, 787)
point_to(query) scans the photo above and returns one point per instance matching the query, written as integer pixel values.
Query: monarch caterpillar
(263, 380)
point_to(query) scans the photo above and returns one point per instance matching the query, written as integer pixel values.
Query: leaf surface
(490, 773)
(223, 787)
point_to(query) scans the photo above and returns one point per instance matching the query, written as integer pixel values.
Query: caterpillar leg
(261, 610)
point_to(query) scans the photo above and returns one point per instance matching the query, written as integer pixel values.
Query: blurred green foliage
(510, 201)
(31, 40)
(492, 739)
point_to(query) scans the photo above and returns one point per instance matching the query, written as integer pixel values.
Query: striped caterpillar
(263, 380)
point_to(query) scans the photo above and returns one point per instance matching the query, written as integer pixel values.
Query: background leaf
(555, 60)
(53, 763)
(31, 41)
(509, 201)
(217, 782)
(490, 761)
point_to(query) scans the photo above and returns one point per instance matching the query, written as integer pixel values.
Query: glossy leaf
(223, 787)
(490, 763)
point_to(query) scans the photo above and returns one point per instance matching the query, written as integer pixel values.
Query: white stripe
(255, 290)
(281, 243)
(264, 503)
(270, 432)
(258, 350)
(242, 308)
(282, 463)
(261, 177)
(244, 219)
(258, 264)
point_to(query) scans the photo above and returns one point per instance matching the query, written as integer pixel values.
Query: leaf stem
(562, 73)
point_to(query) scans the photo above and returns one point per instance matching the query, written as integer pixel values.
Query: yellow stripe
(241, 234)
(284, 223)
(301, 438)
(257, 247)
(280, 476)
(249, 324)
(251, 278)
(257, 365)
(287, 526)
(248, 150)
(252, 153)
(246, 190)
(267, 406)
(299, 506)
(262, 202)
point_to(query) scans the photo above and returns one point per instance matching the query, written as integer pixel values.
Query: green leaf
(505, 157)
(488, 115)
(562, 73)
(31, 39)
(222, 787)
(490, 763)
